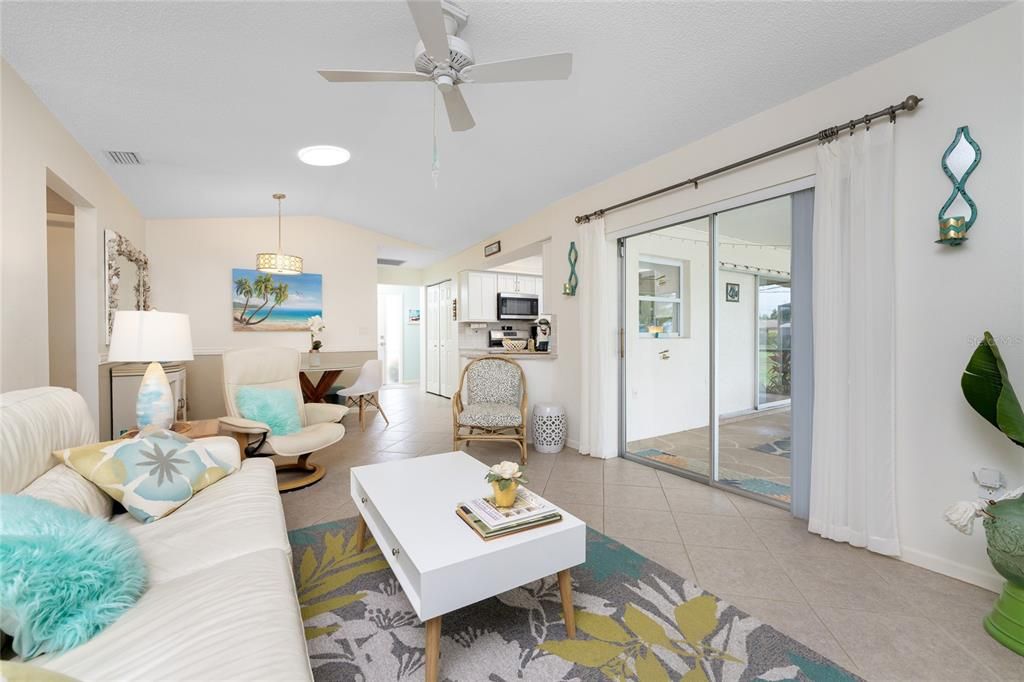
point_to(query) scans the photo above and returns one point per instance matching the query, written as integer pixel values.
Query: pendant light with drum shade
(279, 263)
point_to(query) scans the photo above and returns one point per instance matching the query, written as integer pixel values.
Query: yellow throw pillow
(151, 474)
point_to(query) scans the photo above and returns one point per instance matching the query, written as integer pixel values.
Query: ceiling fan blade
(340, 76)
(430, 25)
(458, 111)
(549, 67)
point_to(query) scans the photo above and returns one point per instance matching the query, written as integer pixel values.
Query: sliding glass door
(666, 346)
(707, 378)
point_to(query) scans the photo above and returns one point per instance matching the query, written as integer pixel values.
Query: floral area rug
(635, 620)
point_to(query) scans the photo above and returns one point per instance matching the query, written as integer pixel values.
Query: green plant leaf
(313, 633)
(649, 668)
(591, 652)
(987, 388)
(601, 627)
(697, 618)
(330, 605)
(645, 627)
(335, 581)
(307, 567)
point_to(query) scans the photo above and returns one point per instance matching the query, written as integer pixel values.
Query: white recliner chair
(279, 368)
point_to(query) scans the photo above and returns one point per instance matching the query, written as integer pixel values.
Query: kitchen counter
(518, 355)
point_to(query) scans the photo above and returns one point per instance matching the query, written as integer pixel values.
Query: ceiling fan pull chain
(435, 166)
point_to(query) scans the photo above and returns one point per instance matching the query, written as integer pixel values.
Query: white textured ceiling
(217, 97)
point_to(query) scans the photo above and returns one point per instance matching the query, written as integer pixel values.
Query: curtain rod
(824, 135)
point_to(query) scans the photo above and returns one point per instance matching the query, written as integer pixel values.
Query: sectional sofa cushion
(65, 487)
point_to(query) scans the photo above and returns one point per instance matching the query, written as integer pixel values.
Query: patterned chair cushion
(491, 415)
(493, 381)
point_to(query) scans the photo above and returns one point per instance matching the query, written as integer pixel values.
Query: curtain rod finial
(912, 101)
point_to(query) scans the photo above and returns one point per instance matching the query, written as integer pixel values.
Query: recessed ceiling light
(324, 155)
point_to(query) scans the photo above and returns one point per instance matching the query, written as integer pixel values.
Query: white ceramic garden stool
(549, 427)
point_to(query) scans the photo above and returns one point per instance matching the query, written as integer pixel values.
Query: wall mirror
(127, 270)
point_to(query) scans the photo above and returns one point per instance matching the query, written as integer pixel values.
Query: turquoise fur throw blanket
(64, 576)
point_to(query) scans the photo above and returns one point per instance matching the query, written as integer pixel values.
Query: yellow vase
(506, 497)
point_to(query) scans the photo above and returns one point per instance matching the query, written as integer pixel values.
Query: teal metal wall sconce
(569, 288)
(962, 156)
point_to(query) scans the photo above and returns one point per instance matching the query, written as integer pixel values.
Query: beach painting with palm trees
(261, 302)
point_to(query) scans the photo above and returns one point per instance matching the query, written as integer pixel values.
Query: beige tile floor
(881, 618)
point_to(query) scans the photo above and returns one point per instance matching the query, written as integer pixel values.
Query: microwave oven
(518, 306)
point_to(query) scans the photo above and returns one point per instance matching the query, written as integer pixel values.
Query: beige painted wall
(944, 298)
(191, 262)
(60, 300)
(36, 149)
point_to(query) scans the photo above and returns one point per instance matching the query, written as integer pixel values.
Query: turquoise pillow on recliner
(275, 407)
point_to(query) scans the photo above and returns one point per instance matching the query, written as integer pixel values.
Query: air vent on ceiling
(124, 158)
(389, 261)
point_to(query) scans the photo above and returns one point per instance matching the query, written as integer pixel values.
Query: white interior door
(433, 358)
(391, 342)
(447, 339)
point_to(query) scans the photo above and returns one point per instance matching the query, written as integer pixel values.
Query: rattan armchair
(495, 407)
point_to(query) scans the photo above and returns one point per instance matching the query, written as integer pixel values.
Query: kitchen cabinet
(478, 296)
(478, 292)
(442, 339)
(507, 282)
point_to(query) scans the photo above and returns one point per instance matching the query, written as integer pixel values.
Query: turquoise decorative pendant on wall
(569, 289)
(962, 156)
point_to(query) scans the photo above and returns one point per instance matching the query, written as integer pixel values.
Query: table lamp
(153, 337)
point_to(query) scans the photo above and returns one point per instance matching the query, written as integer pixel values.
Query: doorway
(707, 362)
(441, 340)
(398, 335)
(60, 277)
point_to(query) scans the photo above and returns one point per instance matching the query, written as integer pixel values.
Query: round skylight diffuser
(279, 263)
(324, 155)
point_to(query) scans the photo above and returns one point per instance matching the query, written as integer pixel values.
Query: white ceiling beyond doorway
(216, 98)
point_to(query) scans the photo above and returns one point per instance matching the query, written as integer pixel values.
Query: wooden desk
(331, 369)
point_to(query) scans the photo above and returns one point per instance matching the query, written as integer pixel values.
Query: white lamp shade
(150, 336)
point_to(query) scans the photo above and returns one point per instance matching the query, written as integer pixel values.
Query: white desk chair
(364, 391)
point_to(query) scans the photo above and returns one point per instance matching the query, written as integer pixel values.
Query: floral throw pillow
(151, 474)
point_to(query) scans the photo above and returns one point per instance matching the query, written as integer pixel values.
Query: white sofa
(221, 603)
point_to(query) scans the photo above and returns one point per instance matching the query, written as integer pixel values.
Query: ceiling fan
(447, 60)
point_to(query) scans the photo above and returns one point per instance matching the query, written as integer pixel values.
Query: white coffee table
(441, 563)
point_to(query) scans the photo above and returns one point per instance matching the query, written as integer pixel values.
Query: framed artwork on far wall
(732, 292)
(492, 249)
(414, 315)
(261, 302)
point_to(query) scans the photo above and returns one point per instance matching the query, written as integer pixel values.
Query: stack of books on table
(529, 511)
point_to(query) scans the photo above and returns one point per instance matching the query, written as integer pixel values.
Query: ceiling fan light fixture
(324, 155)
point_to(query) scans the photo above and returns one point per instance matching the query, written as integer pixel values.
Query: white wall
(191, 262)
(37, 150)
(944, 297)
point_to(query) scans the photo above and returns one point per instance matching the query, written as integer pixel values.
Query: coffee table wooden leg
(433, 648)
(360, 534)
(565, 587)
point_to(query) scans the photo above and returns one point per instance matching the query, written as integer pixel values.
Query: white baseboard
(988, 579)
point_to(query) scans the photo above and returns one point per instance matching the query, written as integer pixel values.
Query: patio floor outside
(754, 452)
